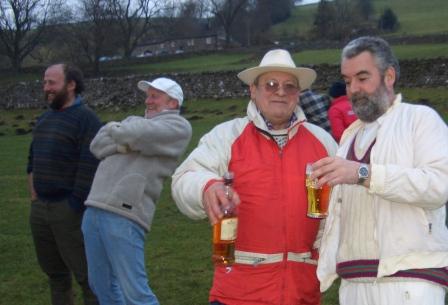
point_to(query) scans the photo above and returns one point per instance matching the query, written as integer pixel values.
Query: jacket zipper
(284, 262)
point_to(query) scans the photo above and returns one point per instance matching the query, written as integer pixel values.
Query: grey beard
(369, 107)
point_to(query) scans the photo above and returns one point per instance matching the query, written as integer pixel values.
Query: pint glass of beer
(318, 198)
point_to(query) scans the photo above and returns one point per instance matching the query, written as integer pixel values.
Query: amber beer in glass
(224, 231)
(318, 198)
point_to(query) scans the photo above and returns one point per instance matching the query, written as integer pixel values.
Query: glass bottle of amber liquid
(224, 231)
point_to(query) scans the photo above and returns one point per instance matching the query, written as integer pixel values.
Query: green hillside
(416, 18)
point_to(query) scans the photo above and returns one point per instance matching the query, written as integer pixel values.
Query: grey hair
(380, 50)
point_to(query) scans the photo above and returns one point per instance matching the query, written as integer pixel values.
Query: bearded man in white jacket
(385, 235)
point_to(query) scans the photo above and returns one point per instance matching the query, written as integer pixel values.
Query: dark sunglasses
(273, 86)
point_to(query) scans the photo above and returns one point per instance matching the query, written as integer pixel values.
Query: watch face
(363, 172)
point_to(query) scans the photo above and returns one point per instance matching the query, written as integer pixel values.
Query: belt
(252, 258)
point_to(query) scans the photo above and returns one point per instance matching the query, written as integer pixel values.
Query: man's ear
(390, 77)
(71, 85)
(174, 104)
(252, 89)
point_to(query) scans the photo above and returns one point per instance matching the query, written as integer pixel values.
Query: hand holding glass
(318, 197)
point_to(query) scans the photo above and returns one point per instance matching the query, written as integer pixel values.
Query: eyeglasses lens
(273, 86)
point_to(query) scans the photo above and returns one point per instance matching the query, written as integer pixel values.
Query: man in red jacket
(276, 245)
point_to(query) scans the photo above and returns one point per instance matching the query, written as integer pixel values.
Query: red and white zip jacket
(276, 247)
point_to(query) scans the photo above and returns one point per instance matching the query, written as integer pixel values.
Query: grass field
(177, 250)
(239, 61)
(236, 61)
(415, 17)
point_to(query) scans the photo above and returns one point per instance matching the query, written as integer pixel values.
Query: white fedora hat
(279, 60)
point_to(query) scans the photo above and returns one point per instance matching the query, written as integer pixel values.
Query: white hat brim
(174, 90)
(145, 85)
(305, 76)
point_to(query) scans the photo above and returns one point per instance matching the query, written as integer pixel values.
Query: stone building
(209, 42)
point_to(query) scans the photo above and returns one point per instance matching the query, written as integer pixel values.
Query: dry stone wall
(122, 91)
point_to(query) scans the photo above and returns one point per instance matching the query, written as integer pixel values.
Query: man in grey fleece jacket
(136, 155)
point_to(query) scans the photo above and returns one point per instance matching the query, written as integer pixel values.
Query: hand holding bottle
(218, 198)
(225, 229)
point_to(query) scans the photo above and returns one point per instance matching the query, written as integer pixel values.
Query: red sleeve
(336, 119)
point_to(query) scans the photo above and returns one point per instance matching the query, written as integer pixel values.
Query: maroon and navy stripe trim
(369, 268)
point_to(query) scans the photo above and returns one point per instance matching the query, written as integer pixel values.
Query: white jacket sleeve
(422, 181)
(208, 161)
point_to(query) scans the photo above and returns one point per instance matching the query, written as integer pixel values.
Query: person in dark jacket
(60, 172)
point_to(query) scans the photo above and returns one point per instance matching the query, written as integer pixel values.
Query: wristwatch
(363, 173)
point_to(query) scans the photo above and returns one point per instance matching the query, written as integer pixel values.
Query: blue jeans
(116, 259)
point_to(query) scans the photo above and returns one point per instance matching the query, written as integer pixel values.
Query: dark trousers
(56, 231)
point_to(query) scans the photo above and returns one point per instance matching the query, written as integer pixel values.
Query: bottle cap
(309, 169)
(228, 178)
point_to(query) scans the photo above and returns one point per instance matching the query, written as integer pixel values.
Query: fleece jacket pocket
(128, 191)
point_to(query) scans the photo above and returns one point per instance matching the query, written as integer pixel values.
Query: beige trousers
(391, 293)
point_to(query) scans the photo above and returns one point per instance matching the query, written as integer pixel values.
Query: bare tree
(22, 24)
(133, 18)
(279, 10)
(337, 19)
(193, 9)
(226, 12)
(93, 31)
(325, 20)
(187, 19)
(55, 41)
(365, 8)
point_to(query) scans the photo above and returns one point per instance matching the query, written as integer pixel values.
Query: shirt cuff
(377, 178)
(209, 183)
